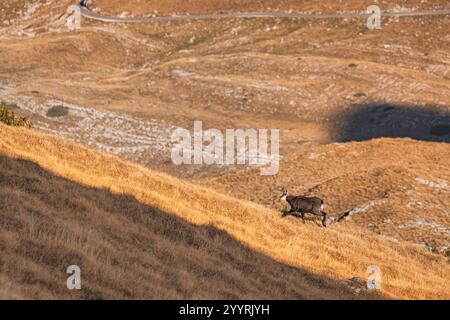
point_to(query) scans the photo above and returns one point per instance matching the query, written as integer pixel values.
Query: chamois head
(284, 195)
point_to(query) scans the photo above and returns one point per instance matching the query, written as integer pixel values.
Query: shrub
(9, 118)
(57, 111)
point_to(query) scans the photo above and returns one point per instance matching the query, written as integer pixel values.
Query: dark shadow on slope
(377, 120)
(127, 249)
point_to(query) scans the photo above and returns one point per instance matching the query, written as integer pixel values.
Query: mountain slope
(140, 234)
(396, 187)
(312, 79)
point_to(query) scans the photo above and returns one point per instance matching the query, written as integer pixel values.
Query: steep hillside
(140, 234)
(395, 187)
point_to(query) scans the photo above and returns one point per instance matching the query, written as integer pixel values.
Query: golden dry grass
(400, 182)
(78, 205)
(142, 234)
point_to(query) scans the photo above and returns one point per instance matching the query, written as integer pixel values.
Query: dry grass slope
(142, 234)
(399, 185)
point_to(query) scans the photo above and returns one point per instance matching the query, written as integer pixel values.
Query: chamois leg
(289, 213)
(322, 214)
(324, 219)
(303, 216)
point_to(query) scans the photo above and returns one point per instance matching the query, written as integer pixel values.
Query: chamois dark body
(302, 205)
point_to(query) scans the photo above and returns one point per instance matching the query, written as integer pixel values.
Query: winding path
(85, 12)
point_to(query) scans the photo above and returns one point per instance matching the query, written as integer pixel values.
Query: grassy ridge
(125, 222)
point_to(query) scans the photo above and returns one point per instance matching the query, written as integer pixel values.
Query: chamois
(302, 205)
